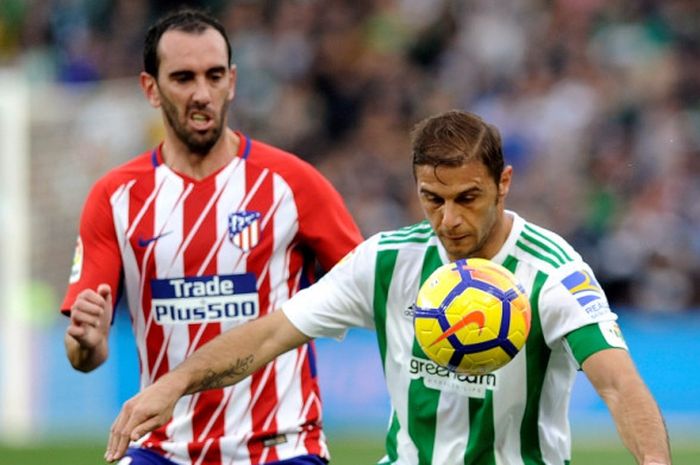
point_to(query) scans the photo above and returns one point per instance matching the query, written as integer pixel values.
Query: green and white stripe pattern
(518, 414)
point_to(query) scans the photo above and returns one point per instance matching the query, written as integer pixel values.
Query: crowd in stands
(598, 104)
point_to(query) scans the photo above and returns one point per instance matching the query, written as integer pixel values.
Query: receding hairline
(170, 32)
(187, 20)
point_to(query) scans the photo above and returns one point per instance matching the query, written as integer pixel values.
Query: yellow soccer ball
(471, 316)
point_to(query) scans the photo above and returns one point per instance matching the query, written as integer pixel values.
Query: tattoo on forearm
(239, 368)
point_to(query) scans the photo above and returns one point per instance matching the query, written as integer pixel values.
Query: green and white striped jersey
(515, 415)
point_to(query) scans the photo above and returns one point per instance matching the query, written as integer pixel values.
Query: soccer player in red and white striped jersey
(207, 231)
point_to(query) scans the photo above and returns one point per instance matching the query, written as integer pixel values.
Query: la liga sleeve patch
(593, 338)
(77, 267)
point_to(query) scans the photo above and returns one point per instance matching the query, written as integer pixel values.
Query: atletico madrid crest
(244, 229)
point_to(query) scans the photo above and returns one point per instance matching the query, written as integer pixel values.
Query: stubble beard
(481, 242)
(199, 144)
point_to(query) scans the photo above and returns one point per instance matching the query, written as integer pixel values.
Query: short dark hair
(454, 138)
(186, 20)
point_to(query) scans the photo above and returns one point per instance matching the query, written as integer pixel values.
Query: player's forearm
(640, 423)
(82, 358)
(226, 359)
(632, 406)
(237, 353)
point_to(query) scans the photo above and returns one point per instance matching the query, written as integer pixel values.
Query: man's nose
(202, 93)
(451, 216)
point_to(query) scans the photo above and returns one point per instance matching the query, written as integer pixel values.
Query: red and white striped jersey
(198, 257)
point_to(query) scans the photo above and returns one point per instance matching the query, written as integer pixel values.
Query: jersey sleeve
(340, 300)
(97, 259)
(586, 341)
(325, 224)
(574, 309)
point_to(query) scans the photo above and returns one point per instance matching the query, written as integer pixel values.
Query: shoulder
(418, 233)
(409, 244)
(142, 164)
(132, 170)
(416, 237)
(543, 249)
(305, 183)
(386, 250)
(399, 258)
(564, 275)
(286, 164)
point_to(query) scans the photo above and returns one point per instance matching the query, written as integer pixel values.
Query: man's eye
(216, 75)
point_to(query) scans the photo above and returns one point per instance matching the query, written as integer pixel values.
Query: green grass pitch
(345, 452)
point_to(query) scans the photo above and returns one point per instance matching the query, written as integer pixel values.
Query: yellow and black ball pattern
(471, 316)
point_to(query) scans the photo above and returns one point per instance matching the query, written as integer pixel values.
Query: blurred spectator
(598, 103)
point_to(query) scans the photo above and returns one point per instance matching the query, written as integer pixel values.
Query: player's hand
(91, 317)
(143, 413)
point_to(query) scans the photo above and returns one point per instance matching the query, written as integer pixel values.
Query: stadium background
(599, 107)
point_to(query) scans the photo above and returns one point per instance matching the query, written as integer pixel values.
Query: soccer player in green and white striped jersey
(515, 415)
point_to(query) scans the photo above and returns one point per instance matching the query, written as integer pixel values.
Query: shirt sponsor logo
(244, 229)
(77, 267)
(216, 298)
(588, 293)
(440, 378)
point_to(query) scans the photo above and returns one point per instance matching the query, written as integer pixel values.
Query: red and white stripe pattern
(168, 226)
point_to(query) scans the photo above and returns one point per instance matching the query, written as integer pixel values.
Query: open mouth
(201, 121)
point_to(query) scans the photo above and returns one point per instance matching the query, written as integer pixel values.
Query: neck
(497, 237)
(195, 165)
(501, 231)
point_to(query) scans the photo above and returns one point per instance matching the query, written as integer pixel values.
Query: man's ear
(232, 86)
(149, 85)
(504, 183)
